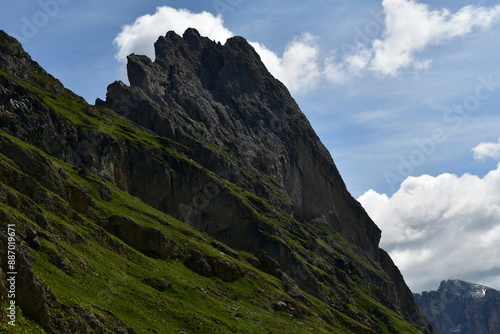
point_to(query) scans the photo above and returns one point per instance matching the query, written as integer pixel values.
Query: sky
(405, 94)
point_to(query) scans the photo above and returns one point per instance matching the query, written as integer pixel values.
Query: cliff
(460, 307)
(197, 199)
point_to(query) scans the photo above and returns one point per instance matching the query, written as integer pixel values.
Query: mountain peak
(463, 288)
(213, 63)
(460, 307)
(17, 62)
(191, 32)
(249, 114)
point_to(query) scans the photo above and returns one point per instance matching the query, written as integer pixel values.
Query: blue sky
(400, 91)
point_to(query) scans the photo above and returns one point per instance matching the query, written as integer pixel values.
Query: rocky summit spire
(237, 107)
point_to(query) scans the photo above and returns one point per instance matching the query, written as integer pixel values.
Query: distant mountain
(197, 199)
(459, 307)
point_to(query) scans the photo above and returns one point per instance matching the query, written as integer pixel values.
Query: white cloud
(350, 67)
(297, 68)
(410, 28)
(336, 72)
(140, 36)
(441, 227)
(487, 150)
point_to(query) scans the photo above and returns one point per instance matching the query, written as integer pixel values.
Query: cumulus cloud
(140, 36)
(441, 227)
(410, 28)
(297, 68)
(351, 66)
(487, 150)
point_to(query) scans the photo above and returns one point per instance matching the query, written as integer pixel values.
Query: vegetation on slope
(76, 272)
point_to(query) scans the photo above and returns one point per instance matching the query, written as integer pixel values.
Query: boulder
(213, 266)
(157, 283)
(150, 241)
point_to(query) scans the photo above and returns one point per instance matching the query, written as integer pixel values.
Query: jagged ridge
(461, 307)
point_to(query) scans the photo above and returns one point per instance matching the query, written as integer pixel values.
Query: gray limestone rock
(459, 307)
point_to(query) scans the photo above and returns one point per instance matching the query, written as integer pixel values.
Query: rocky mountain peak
(244, 111)
(461, 307)
(16, 61)
(14, 58)
(463, 289)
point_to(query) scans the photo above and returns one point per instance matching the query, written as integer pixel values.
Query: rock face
(149, 241)
(459, 307)
(213, 266)
(206, 135)
(225, 98)
(242, 124)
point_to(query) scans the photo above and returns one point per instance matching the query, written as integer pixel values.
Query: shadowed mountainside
(196, 199)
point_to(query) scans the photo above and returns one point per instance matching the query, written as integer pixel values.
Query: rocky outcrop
(459, 307)
(149, 241)
(158, 283)
(223, 95)
(408, 305)
(210, 266)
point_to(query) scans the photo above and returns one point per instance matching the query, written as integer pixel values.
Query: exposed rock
(246, 111)
(17, 62)
(406, 303)
(86, 321)
(157, 283)
(32, 296)
(267, 264)
(42, 221)
(459, 307)
(79, 199)
(224, 249)
(105, 193)
(280, 306)
(149, 241)
(32, 240)
(213, 266)
(225, 270)
(197, 263)
(291, 307)
(111, 243)
(61, 262)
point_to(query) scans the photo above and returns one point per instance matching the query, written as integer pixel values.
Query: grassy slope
(102, 279)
